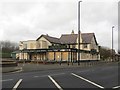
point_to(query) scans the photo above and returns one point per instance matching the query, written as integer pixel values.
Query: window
(25, 46)
(31, 45)
(85, 45)
(44, 44)
(73, 46)
(52, 44)
(39, 45)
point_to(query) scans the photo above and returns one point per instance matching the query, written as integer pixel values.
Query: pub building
(65, 48)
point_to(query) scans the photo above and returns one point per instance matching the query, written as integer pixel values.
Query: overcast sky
(28, 19)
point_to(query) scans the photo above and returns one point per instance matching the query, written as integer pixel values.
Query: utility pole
(79, 32)
(112, 42)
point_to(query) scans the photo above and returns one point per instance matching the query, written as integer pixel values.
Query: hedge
(5, 55)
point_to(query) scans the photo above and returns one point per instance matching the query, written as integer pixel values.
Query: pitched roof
(50, 39)
(71, 38)
(68, 38)
(87, 37)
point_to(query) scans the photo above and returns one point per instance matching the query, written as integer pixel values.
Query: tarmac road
(102, 76)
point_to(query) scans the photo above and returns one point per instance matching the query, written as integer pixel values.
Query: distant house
(64, 48)
(15, 54)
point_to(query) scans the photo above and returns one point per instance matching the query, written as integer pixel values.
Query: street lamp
(112, 42)
(79, 32)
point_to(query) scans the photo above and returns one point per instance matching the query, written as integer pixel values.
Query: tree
(106, 53)
(7, 47)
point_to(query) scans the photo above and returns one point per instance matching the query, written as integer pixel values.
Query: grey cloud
(60, 14)
(16, 8)
(101, 11)
(27, 20)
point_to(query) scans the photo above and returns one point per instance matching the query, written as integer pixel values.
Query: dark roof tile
(87, 37)
(68, 38)
(50, 39)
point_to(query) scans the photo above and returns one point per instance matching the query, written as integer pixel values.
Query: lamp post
(112, 42)
(79, 32)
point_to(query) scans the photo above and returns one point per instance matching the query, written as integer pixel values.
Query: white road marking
(116, 87)
(17, 84)
(56, 84)
(36, 76)
(57, 74)
(84, 71)
(6, 80)
(40, 76)
(88, 81)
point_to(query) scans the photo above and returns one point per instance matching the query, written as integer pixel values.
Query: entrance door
(30, 56)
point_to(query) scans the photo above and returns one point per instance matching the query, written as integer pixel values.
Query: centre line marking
(40, 76)
(17, 84)
(56, 84)
(116, 87)
(87, 80)
(57, 74)
(6, 80)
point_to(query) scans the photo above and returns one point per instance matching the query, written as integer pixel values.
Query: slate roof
(50, 39)
(87, 37)
(70, 38)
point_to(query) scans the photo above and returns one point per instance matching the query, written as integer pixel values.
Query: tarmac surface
(72, 76)
(26, 67)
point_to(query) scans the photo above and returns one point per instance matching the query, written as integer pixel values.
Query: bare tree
(6, 47)
(106, 53)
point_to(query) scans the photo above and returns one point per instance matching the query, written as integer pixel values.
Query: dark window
(85, 45)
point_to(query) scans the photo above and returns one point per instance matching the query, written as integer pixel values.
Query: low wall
(8, 63)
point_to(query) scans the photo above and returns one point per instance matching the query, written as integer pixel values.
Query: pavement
(27, 67)
(97, 76)
(8, 65)
(11, 69)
